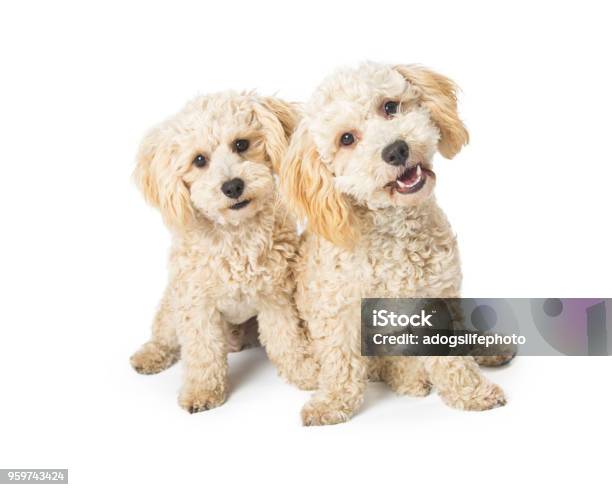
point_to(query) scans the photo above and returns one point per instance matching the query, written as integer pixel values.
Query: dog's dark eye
(347, 139)
(199, 161)
(241, 145)
(390, 107)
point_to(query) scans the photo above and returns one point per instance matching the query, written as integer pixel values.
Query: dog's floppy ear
(287, 113)
(160, 183)
(439, 96)
(309, 187)
(279, 119)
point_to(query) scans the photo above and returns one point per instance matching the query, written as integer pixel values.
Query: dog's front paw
(196, 399)
(321, 412)
(484, 397)
(153, 358)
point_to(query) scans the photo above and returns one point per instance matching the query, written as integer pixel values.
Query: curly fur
(365, 240)
(226, 265)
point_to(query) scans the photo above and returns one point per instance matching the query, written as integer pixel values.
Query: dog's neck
(402, 222)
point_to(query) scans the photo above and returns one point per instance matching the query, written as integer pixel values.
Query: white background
(82, 258)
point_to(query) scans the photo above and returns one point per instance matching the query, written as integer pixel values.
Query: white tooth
(415, 183)
(401, 184)
(419, 171)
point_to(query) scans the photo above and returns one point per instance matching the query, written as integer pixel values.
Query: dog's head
(370, 134)
(215, 159)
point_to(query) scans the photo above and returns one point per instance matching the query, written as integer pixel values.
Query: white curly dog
(209, 170)
(359, 167)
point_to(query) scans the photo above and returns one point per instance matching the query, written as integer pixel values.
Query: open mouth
(411, 180)
(241, 204)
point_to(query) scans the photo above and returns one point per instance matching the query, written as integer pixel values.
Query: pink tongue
(411, 177)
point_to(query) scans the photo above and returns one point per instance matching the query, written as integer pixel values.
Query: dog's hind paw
(485, 397)
(494, 361)
(417, 387)
(153, 358)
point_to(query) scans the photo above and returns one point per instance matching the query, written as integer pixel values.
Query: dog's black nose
(233, 188)
(396, 153)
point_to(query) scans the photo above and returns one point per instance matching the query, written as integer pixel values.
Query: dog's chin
(240, 210)
(236, 212)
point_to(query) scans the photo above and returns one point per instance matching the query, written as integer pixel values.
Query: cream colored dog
(359, 168)
(209, 170)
